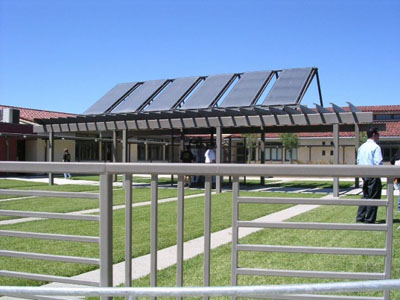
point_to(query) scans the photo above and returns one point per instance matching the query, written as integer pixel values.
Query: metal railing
(106, 170)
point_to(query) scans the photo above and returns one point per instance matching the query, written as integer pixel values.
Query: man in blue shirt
(370, 154)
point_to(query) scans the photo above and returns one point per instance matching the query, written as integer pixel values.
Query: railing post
(207, 232)
(128, 229)
(106, 230)
(389, 233)
(235, 219)
(154, 231)
(180, 233)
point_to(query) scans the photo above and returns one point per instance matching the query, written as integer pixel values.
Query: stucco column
(218, 158)
(262, 150)
(50, 157)
(336, 158)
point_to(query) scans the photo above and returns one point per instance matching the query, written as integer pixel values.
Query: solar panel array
(188, 93)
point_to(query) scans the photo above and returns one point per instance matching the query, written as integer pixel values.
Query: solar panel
(208, 92)
(139, 96)
(247, 90)
(172, 94)
(288, 87)
(112, 96)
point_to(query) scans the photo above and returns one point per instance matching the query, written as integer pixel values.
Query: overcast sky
(64, 55)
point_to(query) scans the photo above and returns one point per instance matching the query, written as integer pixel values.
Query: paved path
(192, 248)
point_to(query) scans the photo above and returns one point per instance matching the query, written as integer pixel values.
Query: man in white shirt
(209, 156)
(370, 154)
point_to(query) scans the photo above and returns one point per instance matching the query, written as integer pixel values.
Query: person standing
(210, 155)
(395, 160)
(66, 158)
(370, 154)
(210, 158)
(187, 157)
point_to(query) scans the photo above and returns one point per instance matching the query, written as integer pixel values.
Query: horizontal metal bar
(49, 194)
(36, 297)
(312, 250)
(313, 201)
(66, 216)
(318, 297)
(311, 274)
(203, 169)
(254, 291)
(30, 255)
(50, 278)
(304, 225)
(49, 236)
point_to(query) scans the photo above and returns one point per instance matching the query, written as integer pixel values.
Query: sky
(64, 55)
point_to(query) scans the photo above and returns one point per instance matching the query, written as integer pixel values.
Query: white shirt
(209, 156)
(369, 154)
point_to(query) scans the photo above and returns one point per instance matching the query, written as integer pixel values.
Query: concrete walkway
(192, 248)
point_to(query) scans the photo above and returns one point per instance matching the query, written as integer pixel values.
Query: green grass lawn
(221, 218)
(63, 205)
(221, 257)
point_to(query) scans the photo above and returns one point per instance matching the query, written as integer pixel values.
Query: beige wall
(35, 150)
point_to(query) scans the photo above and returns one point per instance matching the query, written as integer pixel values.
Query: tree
(251, 142)
(289, 141)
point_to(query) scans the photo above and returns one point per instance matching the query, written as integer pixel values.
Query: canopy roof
(196, 104)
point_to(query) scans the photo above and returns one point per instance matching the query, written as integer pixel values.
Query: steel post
(207, 232)
(336, 158)
(356, 145)
(262, 150)
(235, 230)
(218, 158)
(106, 232)
(128, 229)
(51, 155)
(114, 151)
(154, 231)
(389, 233)
(180, 232)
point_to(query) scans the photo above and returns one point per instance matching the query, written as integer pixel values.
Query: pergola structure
(215, 104)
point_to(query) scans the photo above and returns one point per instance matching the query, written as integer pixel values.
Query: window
(323, 152)
(294, 154)
(323, 143)
(382, 117)
(331, 152)
(86, 151)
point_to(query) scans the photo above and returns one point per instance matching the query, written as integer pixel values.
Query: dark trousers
(372, 189)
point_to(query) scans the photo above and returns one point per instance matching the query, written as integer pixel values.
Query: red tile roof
(29, 114)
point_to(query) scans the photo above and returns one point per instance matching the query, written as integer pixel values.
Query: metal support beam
(154, 231)
(230, 155)
(50, 155)
(207, 232)
(124, 145)
(262, 150)
(336, 158)
(218, 159)
(128, 229)
(180, 233)
(356, 145)
(106, 232)
(114, 151)
(171, 155)
(100, 147)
